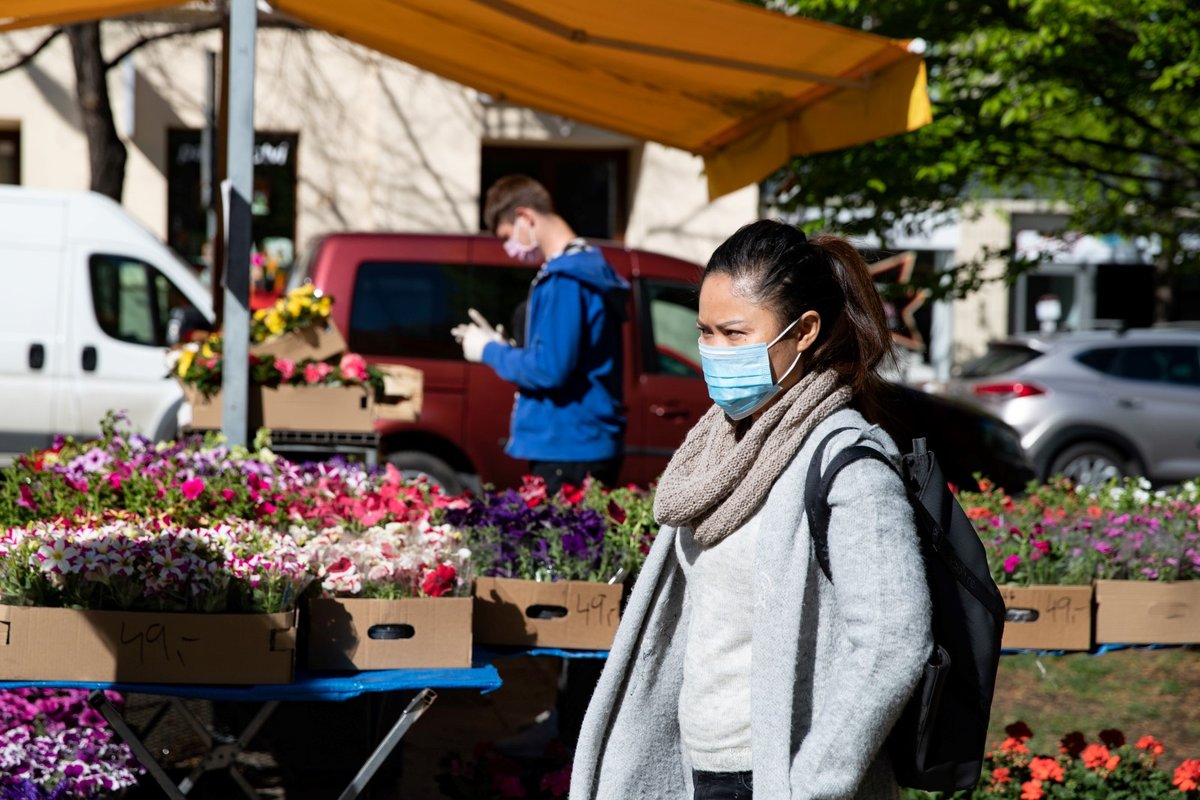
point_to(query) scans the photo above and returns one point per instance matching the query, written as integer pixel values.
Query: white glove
(474, 336)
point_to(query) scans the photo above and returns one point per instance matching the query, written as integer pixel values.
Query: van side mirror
(182, 322)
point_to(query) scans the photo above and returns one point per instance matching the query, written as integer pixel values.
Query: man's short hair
(510, 193)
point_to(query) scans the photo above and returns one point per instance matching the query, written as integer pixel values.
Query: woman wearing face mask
(738, 669)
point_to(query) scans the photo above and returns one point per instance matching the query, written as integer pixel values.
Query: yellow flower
(186, 357)
(274, 322)
(260, 314)
(295, 306)
(322, 306)
(303, 290)
(207, 351)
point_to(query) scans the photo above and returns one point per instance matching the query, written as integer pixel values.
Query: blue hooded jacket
(569, 371)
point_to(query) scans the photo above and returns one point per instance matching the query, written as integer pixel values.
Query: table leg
(99, 701)
(415, 709)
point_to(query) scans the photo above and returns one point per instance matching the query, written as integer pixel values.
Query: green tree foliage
(1091, 102)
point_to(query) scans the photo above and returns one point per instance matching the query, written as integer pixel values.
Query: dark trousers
(722, 785)
(556, 473)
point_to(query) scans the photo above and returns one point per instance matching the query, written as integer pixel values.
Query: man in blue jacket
(568, 420)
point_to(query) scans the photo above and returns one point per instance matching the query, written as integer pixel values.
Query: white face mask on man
(527, 253)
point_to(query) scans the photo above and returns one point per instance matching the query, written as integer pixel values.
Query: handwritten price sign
(156, 642)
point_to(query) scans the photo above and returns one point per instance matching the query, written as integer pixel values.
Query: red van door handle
(668, 412)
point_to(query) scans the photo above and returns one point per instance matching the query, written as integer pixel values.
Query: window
(1175, 364)
(407, 309)
(998, 359)
(132, 300)
(1102, 359)
(669, 315)
(10, 157)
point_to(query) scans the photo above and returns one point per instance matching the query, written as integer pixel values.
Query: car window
(1174, 364)
(999, 358)
(1102, 359)
(132, 300)
(669, 312)
(407, 309)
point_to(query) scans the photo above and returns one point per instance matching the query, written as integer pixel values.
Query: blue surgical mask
(739, 378)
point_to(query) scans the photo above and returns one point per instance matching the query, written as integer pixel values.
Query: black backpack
(939, 740)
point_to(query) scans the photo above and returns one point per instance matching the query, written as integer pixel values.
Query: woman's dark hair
(776, 266)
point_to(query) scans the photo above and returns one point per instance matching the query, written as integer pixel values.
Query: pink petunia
(192, 489)
(316, 372)
(286, 367)
(1010, 563)
(353, 367)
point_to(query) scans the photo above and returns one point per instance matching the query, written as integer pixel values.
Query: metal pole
(412, 713)
(235, 390)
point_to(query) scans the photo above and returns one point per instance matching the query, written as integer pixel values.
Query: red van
(398, 295)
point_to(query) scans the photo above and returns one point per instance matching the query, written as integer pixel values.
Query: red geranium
(440, 581)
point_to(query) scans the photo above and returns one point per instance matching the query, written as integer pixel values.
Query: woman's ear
(810, 329)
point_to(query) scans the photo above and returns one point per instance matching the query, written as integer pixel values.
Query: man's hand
(475, 335)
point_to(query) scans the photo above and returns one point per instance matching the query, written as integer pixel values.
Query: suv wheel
(1089, 464)
(415, 464)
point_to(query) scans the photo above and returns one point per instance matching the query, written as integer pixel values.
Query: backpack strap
(816, 491)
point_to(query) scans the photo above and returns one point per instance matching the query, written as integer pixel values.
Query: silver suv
(1096, 405)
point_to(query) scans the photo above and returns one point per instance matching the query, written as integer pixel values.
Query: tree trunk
(1165, 277)
(106, 151)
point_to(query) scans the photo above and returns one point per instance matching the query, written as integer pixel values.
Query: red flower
(572, 494)
(1032, 790)
(1046, 769)
(192, 489)
(615, 512)
(1072, 744)
(533, 490)
(978, 512)
(1096, 756)
(1001, 775)
(1011, 745)
(1151, 744)
(1187, 775)
(1112, 738)
(438, 582)
(508, 786)
(343, 564)
(25, 500)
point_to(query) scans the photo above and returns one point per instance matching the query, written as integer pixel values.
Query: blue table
(223, 751)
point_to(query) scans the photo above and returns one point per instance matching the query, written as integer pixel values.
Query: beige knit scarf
(720, 476)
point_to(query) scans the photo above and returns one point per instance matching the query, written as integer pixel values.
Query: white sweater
(714, 702)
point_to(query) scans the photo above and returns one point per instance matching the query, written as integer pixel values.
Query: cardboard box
(317, 342)
(568, 614)
(145, 647)
(316, 408)
(402, 394)
(1047, 617)
(358, 634)
(1147, 612)
(292, 408)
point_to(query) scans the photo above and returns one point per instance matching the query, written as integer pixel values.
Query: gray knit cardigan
(832, 664)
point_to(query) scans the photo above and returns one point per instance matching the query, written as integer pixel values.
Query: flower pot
(1147, 612)
(317, 342)
(360, 634)
(567, 614)
(1047, 617)
(63, 644)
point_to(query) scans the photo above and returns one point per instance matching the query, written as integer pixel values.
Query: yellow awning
(743, 87)
(31, 13)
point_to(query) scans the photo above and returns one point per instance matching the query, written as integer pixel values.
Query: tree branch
(187, 30)
(32, 54)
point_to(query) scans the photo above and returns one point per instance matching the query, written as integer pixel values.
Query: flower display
(397, 560)
(151, 565)
(1060, 534)
(53, 745)
(199, 365)
(581, 533)
(303, 306)
(1105, 768)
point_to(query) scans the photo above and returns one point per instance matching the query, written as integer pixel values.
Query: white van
(83, 327)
